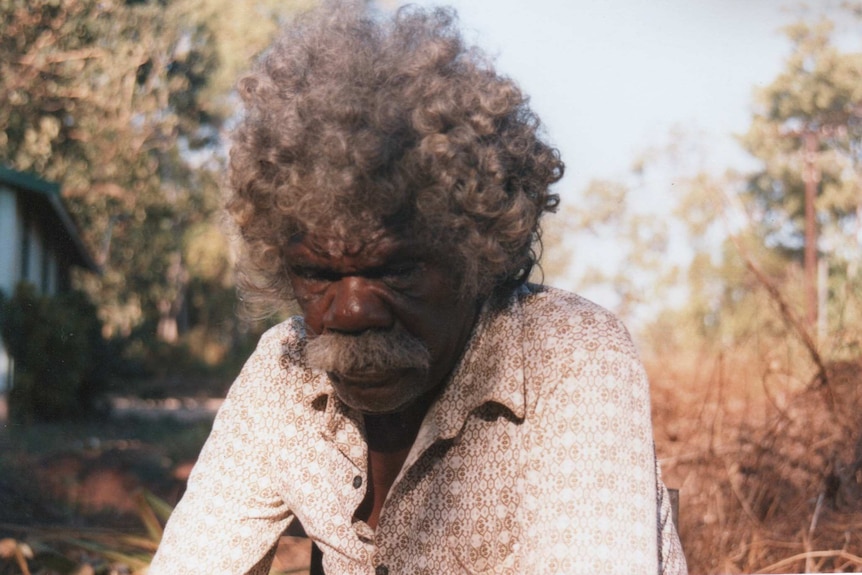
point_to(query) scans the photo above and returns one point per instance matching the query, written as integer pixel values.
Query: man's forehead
(376, 246)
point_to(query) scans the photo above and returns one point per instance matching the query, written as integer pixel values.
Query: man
(431, 411)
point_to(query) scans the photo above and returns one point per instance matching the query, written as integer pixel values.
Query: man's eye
(401, 274)
(404, 269)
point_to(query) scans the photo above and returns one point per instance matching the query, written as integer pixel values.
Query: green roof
(30, 182)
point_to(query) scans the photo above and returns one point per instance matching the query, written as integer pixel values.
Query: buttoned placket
(445, 422)
(363, 531)
(342, 428)
(427, 437)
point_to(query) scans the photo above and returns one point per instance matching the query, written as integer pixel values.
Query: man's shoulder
(276, 371)
(556, 306)
(285, 337)
(566, 322)
(279, 348)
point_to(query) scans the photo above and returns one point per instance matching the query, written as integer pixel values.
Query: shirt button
(381, 570)
(357, 481)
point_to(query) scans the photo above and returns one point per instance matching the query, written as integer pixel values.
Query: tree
(100, 96)
(745, 284)
(640, 275)
(757, 221)
(123, 102)
(807, 131)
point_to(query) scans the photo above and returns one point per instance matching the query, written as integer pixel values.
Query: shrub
(59, 353)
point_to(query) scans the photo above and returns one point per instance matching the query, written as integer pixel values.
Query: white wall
(10, 234)
(6, 370)
(9, 261)
(53, 271)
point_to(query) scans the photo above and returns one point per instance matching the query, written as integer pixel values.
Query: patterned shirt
(537, 457)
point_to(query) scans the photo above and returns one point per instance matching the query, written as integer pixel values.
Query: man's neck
(391, 432)
(390, 437)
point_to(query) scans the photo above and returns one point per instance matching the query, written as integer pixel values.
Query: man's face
(384, 320)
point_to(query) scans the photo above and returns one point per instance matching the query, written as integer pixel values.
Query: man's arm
(600, 501)
(231, 515)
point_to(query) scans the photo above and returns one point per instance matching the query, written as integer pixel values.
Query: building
(39, 243)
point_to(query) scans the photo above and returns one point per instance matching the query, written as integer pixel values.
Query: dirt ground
(93, 483)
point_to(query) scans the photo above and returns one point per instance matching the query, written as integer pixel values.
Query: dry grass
(769, 466)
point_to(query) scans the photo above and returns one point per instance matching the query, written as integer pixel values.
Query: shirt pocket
(485, 537)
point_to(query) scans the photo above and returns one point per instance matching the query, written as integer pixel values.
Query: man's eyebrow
(395, 264)
(401, 265)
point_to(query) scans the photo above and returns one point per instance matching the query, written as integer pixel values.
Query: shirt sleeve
(231, 516)
(600, 504)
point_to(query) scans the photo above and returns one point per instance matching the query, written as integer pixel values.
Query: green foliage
(123, 103)
(818, 93)
(605, 210)
(61, 360)
(817, 96)
(738, 221)
(100, 96)
(76, 550)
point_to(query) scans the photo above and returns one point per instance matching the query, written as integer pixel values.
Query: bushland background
(754, 349)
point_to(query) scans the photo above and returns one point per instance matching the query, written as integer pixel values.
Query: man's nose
(355, 307)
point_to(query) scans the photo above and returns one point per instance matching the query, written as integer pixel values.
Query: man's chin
(372, 404)
(365, 380)
(377, 394)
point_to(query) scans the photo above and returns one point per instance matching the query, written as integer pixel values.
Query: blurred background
(712, 199)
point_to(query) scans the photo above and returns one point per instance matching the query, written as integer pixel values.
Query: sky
(610, 78)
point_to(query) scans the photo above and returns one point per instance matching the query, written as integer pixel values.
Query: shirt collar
(491, 370)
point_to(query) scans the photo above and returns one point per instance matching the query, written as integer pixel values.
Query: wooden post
(674, 507)
(811, 177)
